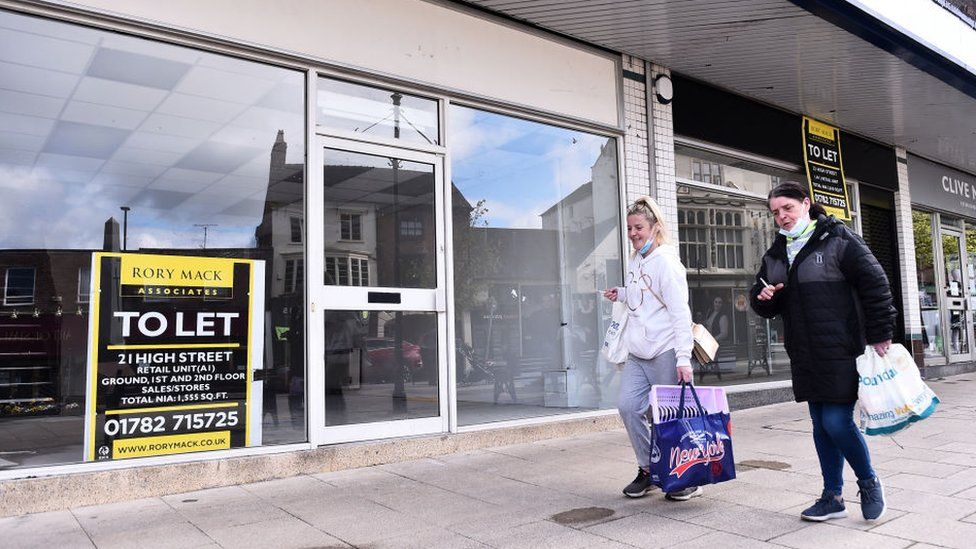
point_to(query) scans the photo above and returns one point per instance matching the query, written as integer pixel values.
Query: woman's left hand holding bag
(685, 374)
(881, 347)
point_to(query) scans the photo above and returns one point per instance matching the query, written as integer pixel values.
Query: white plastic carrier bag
(891, 394)
(614, 347)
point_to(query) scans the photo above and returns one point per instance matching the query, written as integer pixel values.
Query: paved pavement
(565, 493)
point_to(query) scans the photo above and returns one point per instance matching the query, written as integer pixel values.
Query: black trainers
(826, 508)
(641, 485)
(686, 494)
(872, 498)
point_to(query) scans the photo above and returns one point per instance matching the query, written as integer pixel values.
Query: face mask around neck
(801, 225)
(646, 247)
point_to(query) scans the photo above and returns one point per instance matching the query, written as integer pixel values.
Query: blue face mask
(801, 225)
(646, 247)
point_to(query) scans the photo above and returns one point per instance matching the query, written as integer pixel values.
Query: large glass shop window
(110, 143)
(536, 237)
(933, 340)
(722, 237)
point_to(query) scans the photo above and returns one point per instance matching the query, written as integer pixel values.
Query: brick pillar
(906, 258)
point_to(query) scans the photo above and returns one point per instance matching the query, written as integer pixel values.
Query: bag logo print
(819, 258)
(707, 450)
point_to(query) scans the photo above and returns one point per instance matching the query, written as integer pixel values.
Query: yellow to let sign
(170, 444)
(162, 270)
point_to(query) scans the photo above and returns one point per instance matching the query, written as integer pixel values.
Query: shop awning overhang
(823, 58)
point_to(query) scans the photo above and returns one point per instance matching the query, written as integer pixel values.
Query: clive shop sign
(942, 187)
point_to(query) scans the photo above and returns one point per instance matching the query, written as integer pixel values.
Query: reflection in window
(93, 121)
(411, 228)
(84, 284)
(294, 275)
(347, 271)
(366, 197)
(928, 291)
(536, 234)
(18, 288)
(726, 171)
(350, 226)
(356, 108)
(297, 229)
(722, 238)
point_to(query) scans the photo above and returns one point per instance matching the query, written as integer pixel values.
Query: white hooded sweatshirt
(657, 324)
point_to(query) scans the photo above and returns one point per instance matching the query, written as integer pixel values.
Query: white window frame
(6, 287)
(358, 214)
(84, 281)
(292, 221)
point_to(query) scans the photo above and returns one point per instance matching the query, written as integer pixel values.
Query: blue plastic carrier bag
(690, 445)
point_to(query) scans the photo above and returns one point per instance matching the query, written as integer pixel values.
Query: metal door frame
(323, 297)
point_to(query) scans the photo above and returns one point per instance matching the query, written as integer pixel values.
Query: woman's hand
(610, 293)
(685, 374)
(768, 292)
(882, 347)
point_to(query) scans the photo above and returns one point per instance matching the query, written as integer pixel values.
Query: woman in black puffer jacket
(834, 299)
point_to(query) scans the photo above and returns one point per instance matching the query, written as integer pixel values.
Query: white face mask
(801, 225)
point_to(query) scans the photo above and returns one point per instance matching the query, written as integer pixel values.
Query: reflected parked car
(382, 365)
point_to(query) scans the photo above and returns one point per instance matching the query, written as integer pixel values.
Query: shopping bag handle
(681, 401)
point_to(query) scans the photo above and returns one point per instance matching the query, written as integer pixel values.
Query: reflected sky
(91, 121)
(521, 168)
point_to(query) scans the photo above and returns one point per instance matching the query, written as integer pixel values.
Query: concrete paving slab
(429, 539)
(280, 533)
(759, 497)
(649, 531)
(43, 531)
(354, 520)
(930, 529)
(749, 522)
(539, 534)
(303, 487)
(725, 540)
(223, 507)
(930, 504)
(136, 515)
(819, 536)
(181, 534)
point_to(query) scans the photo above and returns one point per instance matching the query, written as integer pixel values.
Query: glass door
(380, 335)
(956, 295)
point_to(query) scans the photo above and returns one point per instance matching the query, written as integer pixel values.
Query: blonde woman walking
(658, 331)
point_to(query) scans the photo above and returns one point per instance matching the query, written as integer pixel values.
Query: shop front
(724, 173)
(214, 247)
(944, 225)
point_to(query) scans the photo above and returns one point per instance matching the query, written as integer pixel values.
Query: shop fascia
(940, 187)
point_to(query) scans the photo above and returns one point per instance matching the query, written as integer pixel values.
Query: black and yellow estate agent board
(825, 167)
(173, 342)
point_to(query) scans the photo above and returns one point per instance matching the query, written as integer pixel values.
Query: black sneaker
(872, 498)
(641, 485)
(686, 494)
(826, 508)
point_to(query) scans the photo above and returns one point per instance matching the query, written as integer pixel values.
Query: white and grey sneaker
(686, 494)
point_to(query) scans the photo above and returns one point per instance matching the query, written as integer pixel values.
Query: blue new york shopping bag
(693, 449)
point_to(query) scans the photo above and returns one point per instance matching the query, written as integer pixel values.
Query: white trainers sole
(685, 497)
(838, 514)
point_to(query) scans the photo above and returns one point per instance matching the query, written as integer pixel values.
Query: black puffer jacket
(835, 300)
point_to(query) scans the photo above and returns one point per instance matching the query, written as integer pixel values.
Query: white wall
(410, 39)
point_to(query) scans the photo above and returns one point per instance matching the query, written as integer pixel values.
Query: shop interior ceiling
(786, 55)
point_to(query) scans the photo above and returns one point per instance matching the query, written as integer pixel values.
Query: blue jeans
(838, 439)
